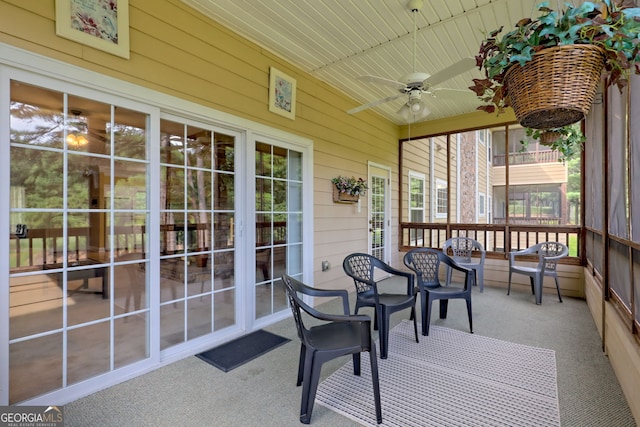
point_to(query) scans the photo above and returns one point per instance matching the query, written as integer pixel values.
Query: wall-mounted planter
(339, 197)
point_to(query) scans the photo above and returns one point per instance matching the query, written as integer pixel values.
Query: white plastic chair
(548, 255)
(463, 250)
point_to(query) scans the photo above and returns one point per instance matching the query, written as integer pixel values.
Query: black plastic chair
(548, 254)
(339, 335)
(360, 267)
(425, 262)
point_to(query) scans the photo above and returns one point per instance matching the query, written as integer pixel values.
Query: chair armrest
(554, 258)
(336, 317)
(407, 274)
(450, 262)
(458, 267)
(315, 292)
(395, 271)
(528, 251)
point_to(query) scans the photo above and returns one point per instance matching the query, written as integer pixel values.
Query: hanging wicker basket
(557, 87)
(549, 137)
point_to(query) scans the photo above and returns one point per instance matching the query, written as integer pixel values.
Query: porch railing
(528, 220)
(497, 239)
(526, 157)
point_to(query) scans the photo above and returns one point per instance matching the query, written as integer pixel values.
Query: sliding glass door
(197, 231)
(78, 291)
(136, 236)
(278, 210)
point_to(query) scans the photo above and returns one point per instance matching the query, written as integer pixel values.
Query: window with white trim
(416, 197)
(441, 200)
(481, 136)
(481, 204)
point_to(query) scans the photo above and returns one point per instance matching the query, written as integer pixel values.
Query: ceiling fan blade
(374, 103)
(381, 80)
(452, 93)
(459, 67)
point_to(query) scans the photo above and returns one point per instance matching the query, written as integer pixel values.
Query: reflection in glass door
(78, 292)
(197, 240)
(278, 207)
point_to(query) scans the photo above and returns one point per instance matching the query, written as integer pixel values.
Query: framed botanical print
(282, 93)
(102, 24)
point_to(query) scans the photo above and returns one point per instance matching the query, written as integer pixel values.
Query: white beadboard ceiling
(338, 40)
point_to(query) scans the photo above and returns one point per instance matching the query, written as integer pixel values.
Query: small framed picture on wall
(102, 24)
(282, 93)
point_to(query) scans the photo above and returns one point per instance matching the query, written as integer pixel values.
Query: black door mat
(242, 350)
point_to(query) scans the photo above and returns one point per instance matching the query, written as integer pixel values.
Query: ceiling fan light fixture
(413, 112)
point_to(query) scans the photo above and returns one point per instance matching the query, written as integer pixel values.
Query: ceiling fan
(415, 84)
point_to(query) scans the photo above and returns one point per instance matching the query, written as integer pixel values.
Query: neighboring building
(467, 182)
(537, 181)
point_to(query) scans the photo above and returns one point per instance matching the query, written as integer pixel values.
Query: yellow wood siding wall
(482, 180)
(528, 174)
(178, 51)
(416, 158)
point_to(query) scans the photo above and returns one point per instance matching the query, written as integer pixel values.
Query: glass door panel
(78, 215)
(197, 239)
(278, 207)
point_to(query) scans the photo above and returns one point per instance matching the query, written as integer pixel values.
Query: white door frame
(379, 170)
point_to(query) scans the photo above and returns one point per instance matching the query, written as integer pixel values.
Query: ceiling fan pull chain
(415, 13)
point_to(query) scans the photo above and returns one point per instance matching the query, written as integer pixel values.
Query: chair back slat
(360, 267)
(425, 264)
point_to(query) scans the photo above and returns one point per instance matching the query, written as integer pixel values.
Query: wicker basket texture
(557, 87)
(549, 137)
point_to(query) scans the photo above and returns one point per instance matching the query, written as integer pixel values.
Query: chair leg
(538, 288)
(305, 415)
(426, 313)
(444, 305)
(449, 271)
(415, 322)
(558, 288)
(427, 319)
(509, 286)
(376, 319)
(313, 381)
(303, 350)
(356, 364)
(376, 382)
(383, 333)
(469, 314)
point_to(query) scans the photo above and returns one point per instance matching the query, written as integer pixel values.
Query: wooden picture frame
(282, 93)
(93, 23)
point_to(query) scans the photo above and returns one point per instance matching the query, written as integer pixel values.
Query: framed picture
(102, 24)
(282, 94)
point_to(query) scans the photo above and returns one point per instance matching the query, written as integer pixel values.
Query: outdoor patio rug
(451, 378)
(230, 355)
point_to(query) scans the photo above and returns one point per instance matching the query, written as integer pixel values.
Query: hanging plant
(605, 31)
(567, 140)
